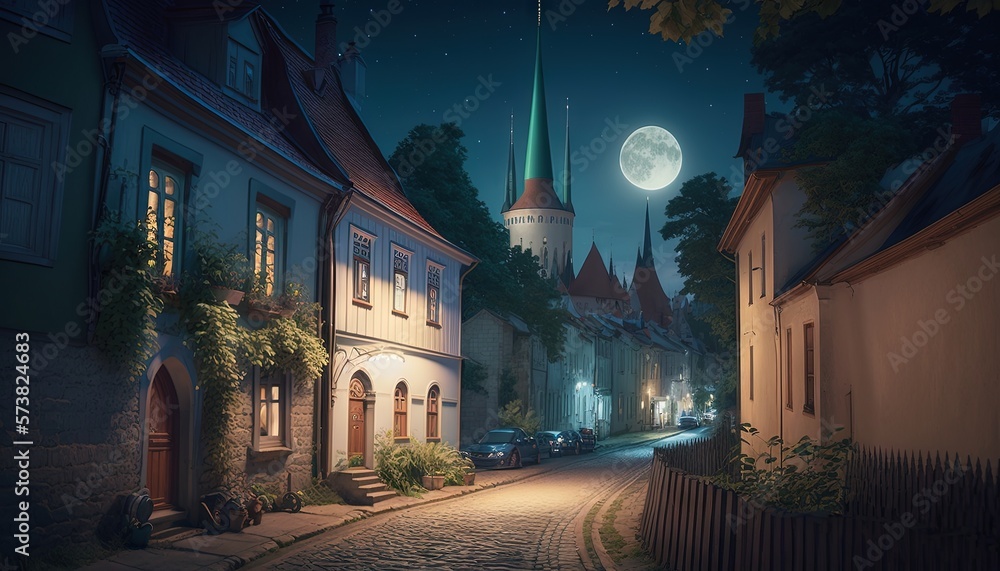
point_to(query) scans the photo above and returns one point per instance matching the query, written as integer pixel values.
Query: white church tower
(539, 220)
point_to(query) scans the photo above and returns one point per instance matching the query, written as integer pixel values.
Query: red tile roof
(344, 134)
(538, 193)
(653, 301)
(593, 279)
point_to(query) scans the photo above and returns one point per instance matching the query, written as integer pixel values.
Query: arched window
(399, 412)
(433, 402)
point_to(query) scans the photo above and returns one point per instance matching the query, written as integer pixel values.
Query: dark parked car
(564, 442)
(588, 441)
(504, 447)
(688, 421)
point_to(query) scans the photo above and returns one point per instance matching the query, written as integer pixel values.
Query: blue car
(504, 448)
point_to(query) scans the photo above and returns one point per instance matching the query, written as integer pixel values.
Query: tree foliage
(682, 20)
(875, 59)
(698, 216)
(889, 81)
(857, 151)
(431, 164)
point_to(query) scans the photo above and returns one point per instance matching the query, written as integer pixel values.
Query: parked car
(548, 442)
(708, 417)
(559, 443)
(504, 447)
(688, 421)
(588, 440)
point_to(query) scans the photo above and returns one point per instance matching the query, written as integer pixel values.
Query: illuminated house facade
(890, 332)
(220, 127)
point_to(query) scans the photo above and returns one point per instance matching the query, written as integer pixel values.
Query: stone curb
(268, 546)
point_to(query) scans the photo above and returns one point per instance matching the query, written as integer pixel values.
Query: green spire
(539, 160)
(510, 189)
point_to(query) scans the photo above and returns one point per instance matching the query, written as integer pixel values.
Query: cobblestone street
(538, 523)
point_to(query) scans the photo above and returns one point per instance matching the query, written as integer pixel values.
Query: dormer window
(241, 74)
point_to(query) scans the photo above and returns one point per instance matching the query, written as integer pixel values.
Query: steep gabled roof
(342, 132)
(593, 279)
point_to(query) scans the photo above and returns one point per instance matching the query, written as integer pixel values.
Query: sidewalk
(196, 549)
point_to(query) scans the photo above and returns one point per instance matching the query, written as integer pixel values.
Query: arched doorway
(163, 445)
(356, 429)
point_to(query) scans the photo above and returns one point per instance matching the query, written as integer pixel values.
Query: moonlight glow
(651, 158)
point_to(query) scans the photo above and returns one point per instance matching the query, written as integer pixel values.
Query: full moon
(651, 158)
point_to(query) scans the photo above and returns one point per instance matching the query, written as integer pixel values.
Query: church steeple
(647, 243)
(510, 188)
(567, 197)
(538, 163)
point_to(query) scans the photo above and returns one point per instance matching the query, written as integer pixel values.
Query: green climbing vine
(218, 342)
(129, 304)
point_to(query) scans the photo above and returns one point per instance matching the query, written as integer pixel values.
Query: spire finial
(539, 13)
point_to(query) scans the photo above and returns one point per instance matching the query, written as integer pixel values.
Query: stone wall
(86, 433)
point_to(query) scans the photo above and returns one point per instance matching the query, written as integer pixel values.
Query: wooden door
(356, 421)
(164, 441)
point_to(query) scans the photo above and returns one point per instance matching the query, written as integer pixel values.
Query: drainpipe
(333, 211)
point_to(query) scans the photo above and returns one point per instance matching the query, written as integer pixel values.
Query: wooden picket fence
(901, 513)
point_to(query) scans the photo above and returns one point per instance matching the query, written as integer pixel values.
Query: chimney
(326, 36)
(753, 121)
(753, 113)
(966, 117)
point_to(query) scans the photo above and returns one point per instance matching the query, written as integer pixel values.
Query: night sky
(431, 56)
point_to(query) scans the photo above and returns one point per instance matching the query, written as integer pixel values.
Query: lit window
(400, 278)
(810, 369)
(268, 234)
(163, 201)
(31, 177)
(434, 294)
(362, 252)
(399, 411)
(272, 422)
(433, 401)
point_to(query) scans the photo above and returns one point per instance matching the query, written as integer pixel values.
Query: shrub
(401, 466)
(810, 479)
(511, 415)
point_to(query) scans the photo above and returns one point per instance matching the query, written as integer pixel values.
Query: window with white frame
(400, 278)
(32, 141)
(362, 252)
(434, 293)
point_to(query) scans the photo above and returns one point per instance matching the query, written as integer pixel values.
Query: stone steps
(359, 486)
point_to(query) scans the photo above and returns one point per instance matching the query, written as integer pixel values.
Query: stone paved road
(537, 523)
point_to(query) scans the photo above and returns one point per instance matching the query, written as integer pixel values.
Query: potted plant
(224, 269)
(265, 305)
(433, 481)
(470, 478)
